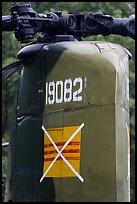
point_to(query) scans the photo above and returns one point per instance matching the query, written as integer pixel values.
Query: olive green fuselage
(65, 85)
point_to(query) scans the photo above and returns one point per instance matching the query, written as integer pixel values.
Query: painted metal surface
(71, 83)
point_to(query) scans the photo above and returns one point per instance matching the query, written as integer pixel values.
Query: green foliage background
(10, 48)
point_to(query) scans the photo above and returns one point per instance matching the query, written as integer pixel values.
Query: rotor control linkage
(26, 23)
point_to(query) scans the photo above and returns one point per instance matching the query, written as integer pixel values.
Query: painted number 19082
(64, 91)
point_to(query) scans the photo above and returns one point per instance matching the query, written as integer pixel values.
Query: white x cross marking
(60, 153)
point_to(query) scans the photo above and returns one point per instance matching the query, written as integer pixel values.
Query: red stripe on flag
(61, 144)
(64, 151)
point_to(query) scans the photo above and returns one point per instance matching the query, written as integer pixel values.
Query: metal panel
(102, 67)
(74, 83)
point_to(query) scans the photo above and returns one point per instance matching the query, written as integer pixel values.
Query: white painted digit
(51, 90)
(79, 90)
(46, 94)
(59, 92)
(67, 90)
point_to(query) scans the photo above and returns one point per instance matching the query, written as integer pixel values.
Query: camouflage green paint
(104, 109)
(26, 143)
(105, 112)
